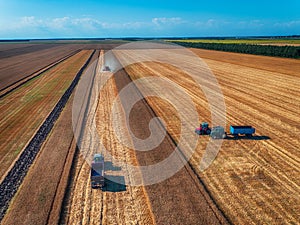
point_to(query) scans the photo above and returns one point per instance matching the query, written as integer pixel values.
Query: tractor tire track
(198, 202)
(116, 204)
(254, 181)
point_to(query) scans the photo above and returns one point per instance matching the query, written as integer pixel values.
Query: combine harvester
(97, 171)
(218, 132)
(106, 69)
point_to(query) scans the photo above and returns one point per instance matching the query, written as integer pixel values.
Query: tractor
(203, 129)
(218, 132)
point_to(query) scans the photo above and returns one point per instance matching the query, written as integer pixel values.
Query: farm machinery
(203, 129)
(97, 171)
(218, 132)
(106, 69)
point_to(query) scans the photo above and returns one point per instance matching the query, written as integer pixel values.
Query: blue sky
(116, 18)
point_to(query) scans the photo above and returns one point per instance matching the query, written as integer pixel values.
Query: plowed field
(18, 61)
(24, 110)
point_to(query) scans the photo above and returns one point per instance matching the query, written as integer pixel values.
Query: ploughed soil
(18, 61)
(24, 110)
(47, 179)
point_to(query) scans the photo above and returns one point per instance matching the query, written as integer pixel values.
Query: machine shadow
(114, 184)
(253, 137)
(108, 165)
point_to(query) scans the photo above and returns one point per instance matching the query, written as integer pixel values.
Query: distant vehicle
(97, 171)
(218, 132)
(203, 129)
(106, 69)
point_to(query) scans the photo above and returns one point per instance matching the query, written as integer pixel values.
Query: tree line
(267, 50)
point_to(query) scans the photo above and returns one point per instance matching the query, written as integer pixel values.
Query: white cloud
(57, 23)
(294, 23)
(28, 21)
(87, 23)
(135, 25)
(167, 21)
(87, 26)
(63, 23)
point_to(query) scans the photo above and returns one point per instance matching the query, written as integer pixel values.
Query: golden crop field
(256, 180)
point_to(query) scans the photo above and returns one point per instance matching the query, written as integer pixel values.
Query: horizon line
(151, 37)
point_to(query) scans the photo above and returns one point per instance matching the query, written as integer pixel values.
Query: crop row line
(16, 175)
(17, 84)
(221, 216)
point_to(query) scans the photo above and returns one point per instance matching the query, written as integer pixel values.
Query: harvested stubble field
(24, 110)
(117, 204)
(163, 203)
(256, 180)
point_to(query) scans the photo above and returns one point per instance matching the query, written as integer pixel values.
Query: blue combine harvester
(97, 171)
